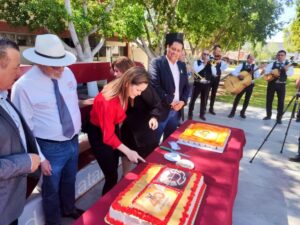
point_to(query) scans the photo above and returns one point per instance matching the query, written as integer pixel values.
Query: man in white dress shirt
(278, 84)
(18, 149)
(47, 97)
(252, 69)
(221, 66)
(169, 78)
(203, 73)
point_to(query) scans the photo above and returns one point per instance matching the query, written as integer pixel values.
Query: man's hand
(177, 105)
(153, 124)
(35, 161)
(240, 77)
(46, 168)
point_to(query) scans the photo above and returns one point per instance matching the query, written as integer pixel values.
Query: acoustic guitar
(236, 85)
(275, 73)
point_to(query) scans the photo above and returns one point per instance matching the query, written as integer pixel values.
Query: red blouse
(107, 114)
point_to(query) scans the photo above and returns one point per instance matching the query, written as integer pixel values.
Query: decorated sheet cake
(205, 136)
(164, 195)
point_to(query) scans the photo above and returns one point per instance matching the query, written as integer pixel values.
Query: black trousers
(106, 156)
(214, 84)
(202, 89)
(279, 88)
(299, 146)
(248, 90)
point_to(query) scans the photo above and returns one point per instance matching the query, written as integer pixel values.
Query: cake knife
(171, 150)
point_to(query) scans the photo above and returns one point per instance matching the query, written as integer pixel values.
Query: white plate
(185, 163)
(171, 156)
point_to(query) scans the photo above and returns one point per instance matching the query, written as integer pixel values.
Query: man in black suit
(17, 145)
(169, 78)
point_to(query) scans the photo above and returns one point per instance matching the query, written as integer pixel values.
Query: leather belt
(202, 81)
(53, 141)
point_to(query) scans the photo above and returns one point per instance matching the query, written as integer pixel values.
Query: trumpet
(196, 75)
(213, 60)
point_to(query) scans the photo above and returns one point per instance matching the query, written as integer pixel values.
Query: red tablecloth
(220, 174)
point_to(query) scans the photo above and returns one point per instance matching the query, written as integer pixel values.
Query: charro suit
(163, 82)
(15, 164)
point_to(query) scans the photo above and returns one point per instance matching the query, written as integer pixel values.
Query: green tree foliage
(292, 34)
(146, 22)
(83, 19)
(229, 23)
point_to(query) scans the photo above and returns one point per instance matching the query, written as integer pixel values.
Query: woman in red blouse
(107, 113)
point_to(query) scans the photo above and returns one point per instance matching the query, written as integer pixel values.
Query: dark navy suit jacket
(163, 82)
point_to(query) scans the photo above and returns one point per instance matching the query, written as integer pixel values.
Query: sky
(287, 16)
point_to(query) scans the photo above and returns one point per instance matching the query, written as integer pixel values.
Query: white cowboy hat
(49, 51)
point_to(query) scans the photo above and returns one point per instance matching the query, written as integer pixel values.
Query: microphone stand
(266, 138)
(292, 116)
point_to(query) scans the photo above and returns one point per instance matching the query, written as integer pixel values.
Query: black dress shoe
(202, 117)
(295, 159)
(75, 214)
(231, 115)
(243, 116)
(211, 111)
(190, 117)
(267, 118)
(298, 119)
(279, 121)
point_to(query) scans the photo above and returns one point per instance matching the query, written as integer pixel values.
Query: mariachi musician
(221, 66)
(252, 69)
(277, 85)
(203, 73)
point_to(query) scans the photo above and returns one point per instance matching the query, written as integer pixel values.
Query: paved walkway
(269, 188)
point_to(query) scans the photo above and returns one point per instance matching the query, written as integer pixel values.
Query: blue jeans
(169, 125)
(58, 190)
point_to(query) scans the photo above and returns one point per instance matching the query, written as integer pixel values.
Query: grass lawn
(258, 98)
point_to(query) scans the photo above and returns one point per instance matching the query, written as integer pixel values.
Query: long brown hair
(119, 87)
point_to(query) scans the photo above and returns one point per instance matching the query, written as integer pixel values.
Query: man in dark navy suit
(169, 78)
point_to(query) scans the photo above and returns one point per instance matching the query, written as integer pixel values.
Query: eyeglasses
(281, 54)
(205, 53)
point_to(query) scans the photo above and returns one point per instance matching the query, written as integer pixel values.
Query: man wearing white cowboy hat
(47, 97)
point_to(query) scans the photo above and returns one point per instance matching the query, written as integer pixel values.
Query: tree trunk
(238, 56)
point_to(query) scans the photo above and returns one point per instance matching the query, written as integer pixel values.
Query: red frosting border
(149, 218)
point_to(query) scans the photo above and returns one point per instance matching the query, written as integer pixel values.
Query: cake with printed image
(165, 195)
(205, 136)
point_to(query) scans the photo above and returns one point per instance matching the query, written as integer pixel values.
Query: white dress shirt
(224, 65)
(289, 72)
(198, 68)
(33, 94)
(238, 69)
(175, 73)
